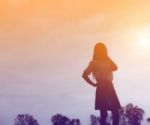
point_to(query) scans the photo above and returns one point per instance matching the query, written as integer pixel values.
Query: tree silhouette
(75, 122)
(59, 119)
(96, 120)
(131, 115)
(148, 119)
(25, 119)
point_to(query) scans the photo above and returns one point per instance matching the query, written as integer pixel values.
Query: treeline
(129, 115)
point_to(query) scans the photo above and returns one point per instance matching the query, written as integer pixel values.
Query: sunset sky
(45, 45)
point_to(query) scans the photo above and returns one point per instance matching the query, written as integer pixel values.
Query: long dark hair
(100, 52)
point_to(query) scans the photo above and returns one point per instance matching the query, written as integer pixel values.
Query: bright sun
(143, 40)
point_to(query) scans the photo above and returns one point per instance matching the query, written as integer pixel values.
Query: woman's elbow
(84, 75)
(115, 68)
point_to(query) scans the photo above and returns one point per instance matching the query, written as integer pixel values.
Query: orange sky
(47, 44)
(74, 10)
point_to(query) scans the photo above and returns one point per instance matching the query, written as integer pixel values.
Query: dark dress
(106, 97)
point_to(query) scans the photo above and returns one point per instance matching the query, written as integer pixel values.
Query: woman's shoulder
(93, 62)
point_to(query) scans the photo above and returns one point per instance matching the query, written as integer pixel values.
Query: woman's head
(100, 52)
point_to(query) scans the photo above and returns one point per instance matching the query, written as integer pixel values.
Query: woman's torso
(103, 71)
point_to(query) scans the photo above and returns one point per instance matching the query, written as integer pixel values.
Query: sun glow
(143, 40)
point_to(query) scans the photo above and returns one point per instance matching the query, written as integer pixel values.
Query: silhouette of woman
(102, 68)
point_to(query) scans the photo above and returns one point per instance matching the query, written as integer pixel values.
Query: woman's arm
(114, 67)
(87, 79)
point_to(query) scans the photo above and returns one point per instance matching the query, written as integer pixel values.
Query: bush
(25, 119)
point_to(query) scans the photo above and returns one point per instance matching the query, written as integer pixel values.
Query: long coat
(106, 97)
